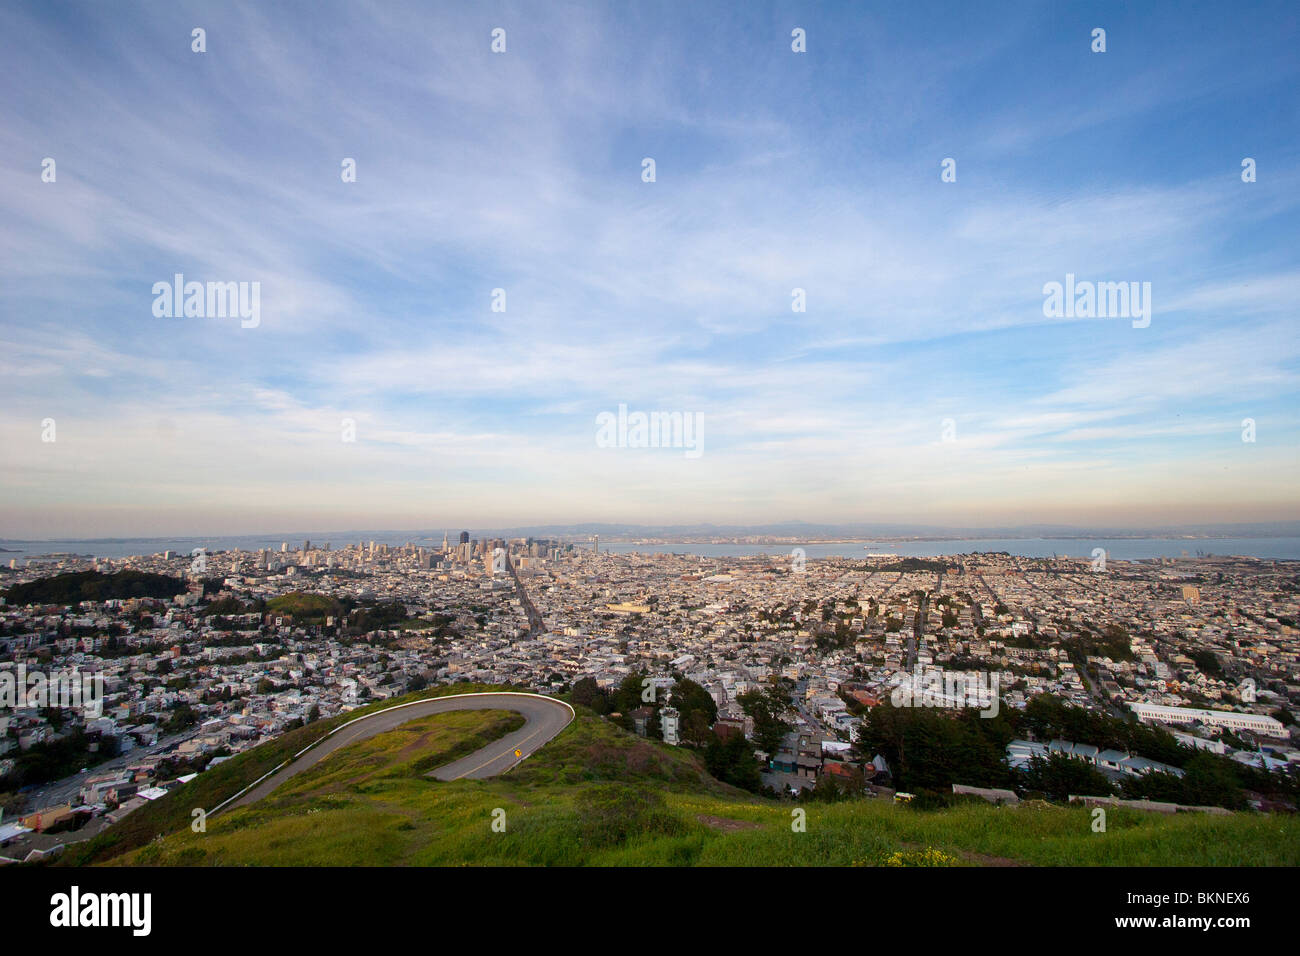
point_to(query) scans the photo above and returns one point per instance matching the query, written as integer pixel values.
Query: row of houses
(1021, 752)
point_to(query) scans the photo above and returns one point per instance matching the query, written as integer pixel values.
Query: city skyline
(925, 382)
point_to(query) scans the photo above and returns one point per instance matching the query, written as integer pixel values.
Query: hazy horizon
(848, 531)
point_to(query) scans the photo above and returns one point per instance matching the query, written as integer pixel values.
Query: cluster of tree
(587, 693)
(379, 616)
(1208, 663)
(223, 696)
(181, 718)
(441, 625)
(930, 749)
(1019, 640)
(767, 708)
(230, 605)
(909, 565)
(1112, 642)
(1207, 781)
(1058, 776)
(831, 788)
(1047, 717)
(838, 638)
(730, 758)
(77, 586)
(55, 759)
(696, 708)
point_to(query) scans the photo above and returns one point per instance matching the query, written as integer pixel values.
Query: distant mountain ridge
(799, 529)
(868, 530)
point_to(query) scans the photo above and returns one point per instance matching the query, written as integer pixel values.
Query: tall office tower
(444, 542)
(284, 547)
(464, 537)
(306, 545)
(595, 543)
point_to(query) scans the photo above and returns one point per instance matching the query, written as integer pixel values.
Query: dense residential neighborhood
(231, 649)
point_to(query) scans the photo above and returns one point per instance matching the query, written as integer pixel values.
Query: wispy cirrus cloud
(522, 172)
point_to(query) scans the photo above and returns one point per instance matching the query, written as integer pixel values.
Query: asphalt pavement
(544, 717)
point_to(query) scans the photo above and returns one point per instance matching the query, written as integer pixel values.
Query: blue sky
(522, 171)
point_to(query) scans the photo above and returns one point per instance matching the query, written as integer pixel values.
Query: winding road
(544, 717)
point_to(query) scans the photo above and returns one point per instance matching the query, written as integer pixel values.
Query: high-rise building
(464, 537)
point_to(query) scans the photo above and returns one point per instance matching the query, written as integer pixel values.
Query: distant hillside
(597, 795)
(305, 608)
(912, 565)
(94, 586)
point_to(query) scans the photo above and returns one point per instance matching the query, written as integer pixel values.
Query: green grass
(411, 750)
(304, 607)
(212, 787)
(599, 796)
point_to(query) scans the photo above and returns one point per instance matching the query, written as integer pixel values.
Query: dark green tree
(697, 707)
(1059, 776)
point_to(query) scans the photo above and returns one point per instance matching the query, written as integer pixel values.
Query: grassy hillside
(599, 796)
(305, 608)
(212, 787)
